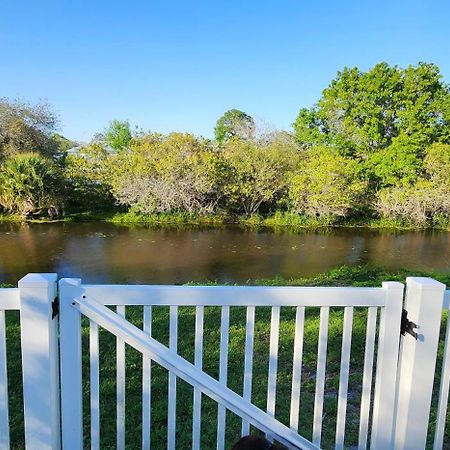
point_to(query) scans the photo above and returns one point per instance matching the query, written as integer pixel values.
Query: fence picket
(70, 365)
(198, 362)
(172, 411)
(95, 385)
(297, 367)
(386, 369)
(248, 362)
(146, 383)
(4, 415)
(120, 376)
(343, 377)
(223, 373)
(320, 374)
(367, 378)
(443, 393)
(273, 361)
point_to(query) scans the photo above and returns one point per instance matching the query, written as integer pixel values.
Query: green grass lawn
(342, 276)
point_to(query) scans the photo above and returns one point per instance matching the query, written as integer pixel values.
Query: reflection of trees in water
(420, 250)
(85, 256)
(170, 255)
(99, 252)
(28, 248)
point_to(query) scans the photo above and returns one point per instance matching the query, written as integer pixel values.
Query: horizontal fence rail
(9, 299)
(234, 295)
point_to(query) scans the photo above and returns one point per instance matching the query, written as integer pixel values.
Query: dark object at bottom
(254, 443)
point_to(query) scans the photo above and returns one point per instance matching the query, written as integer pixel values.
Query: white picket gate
(394, 416)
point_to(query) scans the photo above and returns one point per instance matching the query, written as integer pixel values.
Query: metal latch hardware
(407, 326)
(55, 307)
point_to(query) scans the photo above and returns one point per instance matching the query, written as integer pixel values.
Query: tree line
(375, 145)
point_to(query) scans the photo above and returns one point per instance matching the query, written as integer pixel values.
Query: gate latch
(407, 326)
(55, 307)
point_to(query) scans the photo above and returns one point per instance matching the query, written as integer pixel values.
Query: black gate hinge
(55, 307)
(407, 326)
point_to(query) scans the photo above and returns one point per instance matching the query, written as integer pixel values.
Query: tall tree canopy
(26, 128)
(234, 123)
(118, 135)
(363, 112)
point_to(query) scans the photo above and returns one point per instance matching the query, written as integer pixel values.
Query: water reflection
(99, 252)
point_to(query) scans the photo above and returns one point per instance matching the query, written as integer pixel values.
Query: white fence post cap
(392, 284)
(37, 280)
(427, 283)
(70, 281)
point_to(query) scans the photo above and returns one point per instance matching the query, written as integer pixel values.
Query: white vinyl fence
(395, 386)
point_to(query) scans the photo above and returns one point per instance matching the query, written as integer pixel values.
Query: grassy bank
(278, 220)
(10, 218)
(342, 276)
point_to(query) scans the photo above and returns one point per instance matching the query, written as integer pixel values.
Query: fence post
(417, 362)
(71, 375)
(386, 371)
(39, 336)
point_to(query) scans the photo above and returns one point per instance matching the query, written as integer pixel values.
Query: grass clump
(361, 275)
(180, 218)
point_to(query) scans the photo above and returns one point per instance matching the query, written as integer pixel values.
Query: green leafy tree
(399, 164)
(437, 164)
(26, 128)
(30, 184)
(118, 135)
(327, 185)
(63, 144)
(363, 112)
(234, 123)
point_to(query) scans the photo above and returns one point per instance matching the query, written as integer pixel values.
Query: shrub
(419, 204)
(30, 184)
(87, 180)
(327, 184)
(168, 174)
(257, 173)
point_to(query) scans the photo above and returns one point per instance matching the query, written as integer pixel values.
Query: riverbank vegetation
(374, 150)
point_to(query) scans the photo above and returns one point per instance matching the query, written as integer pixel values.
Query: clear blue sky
(178, 65)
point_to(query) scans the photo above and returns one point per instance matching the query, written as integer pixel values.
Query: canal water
(108, 253)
